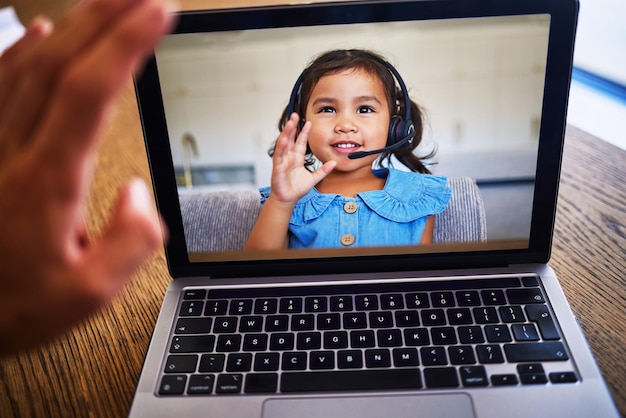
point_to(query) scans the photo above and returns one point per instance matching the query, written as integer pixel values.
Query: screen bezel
(563, 17)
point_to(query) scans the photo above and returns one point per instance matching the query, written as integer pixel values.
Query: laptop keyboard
(409, 335)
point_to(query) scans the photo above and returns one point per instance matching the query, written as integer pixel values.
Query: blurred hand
(57, 86)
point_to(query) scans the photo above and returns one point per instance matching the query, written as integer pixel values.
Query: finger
(323, 171)
(285, 139)
(133, 234)
(80, 102)
(303, 138)
(39, 28)
(38, 68)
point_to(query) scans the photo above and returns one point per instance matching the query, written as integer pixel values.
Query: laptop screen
(225, 80)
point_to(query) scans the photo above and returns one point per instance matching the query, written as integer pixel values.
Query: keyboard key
(229, 383)
(433, 317)
(354, 320)
(340, 303)
(532, 374)
(461, 354)
(193, 325)
(329, 321)
(366, 302)
(504, 379)
(498, 334)
(377, 358)
(389, 337)
(255, 342)
(181, 363)
(251, 324)
(201, 384)
(212, 363)
(316, 304)
(319, 360)
(294, 361)
(362, 339)
(265, 306)
(304, 322)
(433, 356)
(489, 354)
(511, 314)
(524, 296)
(549, 351)
(276, 323)
(541, 315)
(460, 316)
(405, 357)
(191, 308)
(416, 337)
(290, 305)
(216, 307)
(391, 301)
(467, 298)
(335, 340)
(351, 380)
(407, 319)
(190, 294)
(525, 332)
(442, 299)
(474, 376)
(225, 324)
(381, 319)
(471, 335)
(228, 343)
(441, 377)
(172, 385)
(485, 315)
(241, 307)
(261, 383)
(239, 362)
(349, 359)
(266, 362)
(282, 341)
(192, 344)
(443, 336)
(417, 300)
(563, 377)
(493, 297)
(309, 341)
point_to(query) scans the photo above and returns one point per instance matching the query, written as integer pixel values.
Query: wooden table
(92, 371)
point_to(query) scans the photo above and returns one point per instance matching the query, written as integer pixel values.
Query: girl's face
(349, 112)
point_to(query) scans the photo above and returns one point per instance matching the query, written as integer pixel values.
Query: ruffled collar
(406, 196)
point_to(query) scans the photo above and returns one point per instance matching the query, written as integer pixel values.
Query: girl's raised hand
(290, 179)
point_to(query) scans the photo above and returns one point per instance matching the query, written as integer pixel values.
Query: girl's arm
(429, 230)
(290, 181)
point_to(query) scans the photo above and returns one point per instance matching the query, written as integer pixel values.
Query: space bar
(350, 380)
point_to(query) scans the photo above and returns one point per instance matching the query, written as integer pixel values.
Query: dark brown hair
(336, 61)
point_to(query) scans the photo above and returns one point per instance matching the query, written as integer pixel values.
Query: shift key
(550, 351)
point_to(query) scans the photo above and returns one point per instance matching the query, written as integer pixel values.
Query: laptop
(473, 325)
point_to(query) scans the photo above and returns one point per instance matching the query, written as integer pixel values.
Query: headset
(401, 129)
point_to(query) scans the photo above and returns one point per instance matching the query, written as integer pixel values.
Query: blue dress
(395, 215)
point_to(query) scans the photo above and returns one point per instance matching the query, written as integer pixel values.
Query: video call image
(478, 83)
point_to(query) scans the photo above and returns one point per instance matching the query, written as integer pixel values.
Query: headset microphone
(404, 142)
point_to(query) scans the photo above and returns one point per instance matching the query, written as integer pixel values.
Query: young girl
(348, 99)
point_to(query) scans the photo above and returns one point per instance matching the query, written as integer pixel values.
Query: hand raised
(290, 178)
(57, 86)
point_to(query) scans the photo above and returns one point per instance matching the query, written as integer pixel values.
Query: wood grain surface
(93, 370)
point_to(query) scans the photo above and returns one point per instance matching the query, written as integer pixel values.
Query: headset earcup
(395, 130)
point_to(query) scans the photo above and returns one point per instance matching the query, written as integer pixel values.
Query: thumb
(134, 233)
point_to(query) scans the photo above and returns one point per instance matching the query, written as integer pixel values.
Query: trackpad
(416, 406)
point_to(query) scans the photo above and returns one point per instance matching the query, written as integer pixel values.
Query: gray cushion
(222, 220)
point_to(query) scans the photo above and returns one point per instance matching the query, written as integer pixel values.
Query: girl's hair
(336, 61)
